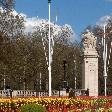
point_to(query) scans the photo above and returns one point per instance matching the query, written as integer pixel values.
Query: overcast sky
(77, 13)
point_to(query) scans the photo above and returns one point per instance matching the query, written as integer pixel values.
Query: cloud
(33, 22)
(42, 24)
(30, 23)
(103, 20)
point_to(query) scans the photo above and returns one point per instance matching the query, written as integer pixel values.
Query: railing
(23, 93)
(17, 93)
(32, 93)
(42, 94)
(80, 92)
(2, 93)
(29, 93)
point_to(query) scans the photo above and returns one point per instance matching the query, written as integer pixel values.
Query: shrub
(32, 108)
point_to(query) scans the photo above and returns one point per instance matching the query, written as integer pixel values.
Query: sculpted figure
(89, 40)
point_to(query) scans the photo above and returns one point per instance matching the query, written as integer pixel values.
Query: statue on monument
(89, 40)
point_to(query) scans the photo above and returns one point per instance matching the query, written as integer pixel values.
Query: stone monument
(90, 63)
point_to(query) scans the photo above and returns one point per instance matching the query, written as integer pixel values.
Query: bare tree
(7, 4)
(10, 24)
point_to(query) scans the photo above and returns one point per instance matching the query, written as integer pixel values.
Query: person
(87, 92)
(8, 91)
(67, 89)
(71, 94)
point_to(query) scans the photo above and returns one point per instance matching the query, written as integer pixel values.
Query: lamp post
(4, 82)
(49, 66)
(40, 82)
(4, 78)
(64, 75)
(75, 73)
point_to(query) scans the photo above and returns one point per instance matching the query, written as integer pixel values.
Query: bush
(32, 108)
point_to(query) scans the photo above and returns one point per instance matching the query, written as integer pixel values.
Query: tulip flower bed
(56, 104)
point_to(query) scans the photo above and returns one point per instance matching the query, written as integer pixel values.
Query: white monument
(90, 64)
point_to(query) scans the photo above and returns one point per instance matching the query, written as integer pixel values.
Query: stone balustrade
(17, 93)
(80, 92)
(23, 93)
(32, 93)
(2, 93)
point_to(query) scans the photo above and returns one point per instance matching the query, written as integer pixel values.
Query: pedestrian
(87, 92)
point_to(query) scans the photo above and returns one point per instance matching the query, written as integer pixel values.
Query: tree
(10, 24)
(63, 49)
(7, 4)
(25, 55)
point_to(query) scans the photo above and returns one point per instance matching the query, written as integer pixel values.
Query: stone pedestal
(90, 65)
(90, 72)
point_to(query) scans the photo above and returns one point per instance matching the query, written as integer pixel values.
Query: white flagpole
(49, 68)
(105, 59)
(109, 56)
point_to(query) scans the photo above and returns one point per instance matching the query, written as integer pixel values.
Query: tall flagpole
(105, 59)
(49, 68)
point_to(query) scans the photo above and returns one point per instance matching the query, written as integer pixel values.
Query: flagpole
(49, 68)
(105, 59)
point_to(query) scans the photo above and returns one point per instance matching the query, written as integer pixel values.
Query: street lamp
(49, 1)
(64, 75)
(4, 78)
(75, 73)
(40, 82)
(4, 82)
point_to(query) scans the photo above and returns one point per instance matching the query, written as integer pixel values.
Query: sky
(77, 13)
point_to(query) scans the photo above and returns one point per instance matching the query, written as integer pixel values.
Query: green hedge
(32, 108)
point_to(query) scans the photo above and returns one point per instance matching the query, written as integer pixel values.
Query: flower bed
(56, 104)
